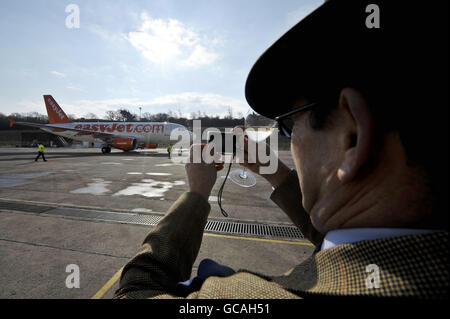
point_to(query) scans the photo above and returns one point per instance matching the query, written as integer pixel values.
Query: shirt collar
(351, 235)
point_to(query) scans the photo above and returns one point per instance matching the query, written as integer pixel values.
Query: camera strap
(219, 194)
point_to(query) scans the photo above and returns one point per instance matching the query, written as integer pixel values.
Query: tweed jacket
(409, 266)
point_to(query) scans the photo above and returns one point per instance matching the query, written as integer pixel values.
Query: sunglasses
(285, 121)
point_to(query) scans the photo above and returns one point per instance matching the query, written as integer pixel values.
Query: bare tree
(146, 116)
(110, 115)
(229, 116)
(160, 117)
(126, 116)
(90, 116)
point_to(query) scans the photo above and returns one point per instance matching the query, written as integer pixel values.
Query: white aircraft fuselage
(121, 135)
(143, 132)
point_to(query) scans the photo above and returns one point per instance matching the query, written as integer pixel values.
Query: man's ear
(358, 151)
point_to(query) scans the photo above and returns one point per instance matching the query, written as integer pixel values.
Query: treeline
(124, 115)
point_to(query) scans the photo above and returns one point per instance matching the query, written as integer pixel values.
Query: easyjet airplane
(121, 135)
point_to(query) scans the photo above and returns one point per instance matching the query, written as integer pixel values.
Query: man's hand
(201, 176)
(252, 162)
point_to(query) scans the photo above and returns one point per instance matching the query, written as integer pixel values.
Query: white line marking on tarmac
(169, 164)
(141, 210)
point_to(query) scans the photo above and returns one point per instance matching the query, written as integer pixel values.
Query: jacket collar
(407, 266)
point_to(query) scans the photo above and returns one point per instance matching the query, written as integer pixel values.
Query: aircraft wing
(11, 123)
(101, 135)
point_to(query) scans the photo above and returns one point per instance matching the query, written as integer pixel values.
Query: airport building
(30, 137)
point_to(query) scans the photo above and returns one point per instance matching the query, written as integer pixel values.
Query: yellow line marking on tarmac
(116, 276)
(99, 294)
(261, 239)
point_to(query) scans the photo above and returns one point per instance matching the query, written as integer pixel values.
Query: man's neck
(391, 195)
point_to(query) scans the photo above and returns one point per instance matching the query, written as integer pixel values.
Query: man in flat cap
(365, 105)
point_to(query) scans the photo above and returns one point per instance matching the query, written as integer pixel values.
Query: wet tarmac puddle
(146, 188)
(11, 180)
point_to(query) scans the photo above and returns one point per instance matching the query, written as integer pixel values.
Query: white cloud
(58, 74)
(200, 56)
(77, 108)
(166, 41)
(26, 106)
(75, 88)
(103, 33)
(99, 107)
(186, 103)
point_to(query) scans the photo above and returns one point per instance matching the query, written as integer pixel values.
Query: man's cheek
(296, 148)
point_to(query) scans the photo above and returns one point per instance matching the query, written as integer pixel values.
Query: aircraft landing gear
(106, 150)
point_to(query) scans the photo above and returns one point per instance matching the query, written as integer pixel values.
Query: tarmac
(91, 210)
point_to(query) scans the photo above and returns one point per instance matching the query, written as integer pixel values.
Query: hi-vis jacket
(41, 148)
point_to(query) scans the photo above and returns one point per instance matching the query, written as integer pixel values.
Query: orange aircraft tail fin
(54, 111)
(11, 123)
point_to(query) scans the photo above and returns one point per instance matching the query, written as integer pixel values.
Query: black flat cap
(334, 47)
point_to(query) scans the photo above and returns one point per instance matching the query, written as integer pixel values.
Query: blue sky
(178, 55)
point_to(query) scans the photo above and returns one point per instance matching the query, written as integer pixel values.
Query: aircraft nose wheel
(106, 150)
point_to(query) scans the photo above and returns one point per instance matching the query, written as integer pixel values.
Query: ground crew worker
(169, 149)
(41, 150)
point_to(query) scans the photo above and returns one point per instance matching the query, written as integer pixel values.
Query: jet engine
(124, 143)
